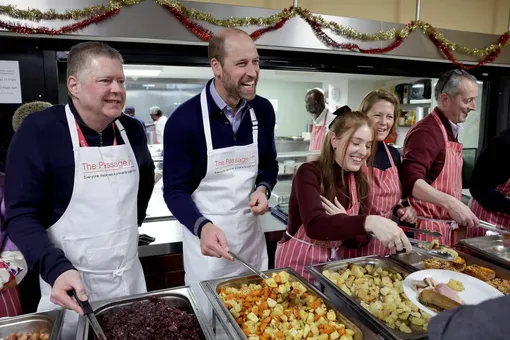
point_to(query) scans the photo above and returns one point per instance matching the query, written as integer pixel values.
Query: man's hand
(407, 214)
(258, 201)
(67, 281)
(461, 213)
(213, 242)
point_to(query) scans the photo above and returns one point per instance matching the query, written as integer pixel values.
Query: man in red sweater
(432, 159)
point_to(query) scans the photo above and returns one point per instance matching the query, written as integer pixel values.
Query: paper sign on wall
(274, 102)
(10, 85)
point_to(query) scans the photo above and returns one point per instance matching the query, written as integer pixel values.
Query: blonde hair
(345, 124)
(373, 97)
(25, 110)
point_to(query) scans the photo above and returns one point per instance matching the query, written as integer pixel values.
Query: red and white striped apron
(301, 251)
(10, 304)
(449, 181)
(385, 193)
(499, 219)
(318, 134)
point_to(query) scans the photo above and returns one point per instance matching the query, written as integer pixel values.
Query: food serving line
(336, 282)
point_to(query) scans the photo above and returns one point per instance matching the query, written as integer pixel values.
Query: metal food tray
(181, 297)
(332, 290)
(29, 323)
(490, 248)
(212, 288)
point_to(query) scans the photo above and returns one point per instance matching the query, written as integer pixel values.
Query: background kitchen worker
(432, 163)
(84, 190)
(220, 164)
(319, 227)
(385, 189)
(490, 185)
(159, 124)
(315, 103)
(130, 111)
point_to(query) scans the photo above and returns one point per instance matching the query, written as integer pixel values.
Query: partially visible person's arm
(268, 165)
(488, 320)
(26, 182)
(318, 224)
(490, 171)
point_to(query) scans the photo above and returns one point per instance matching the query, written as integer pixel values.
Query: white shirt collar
(456, 128)
(319, 121)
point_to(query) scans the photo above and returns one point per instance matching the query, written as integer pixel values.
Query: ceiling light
(141, 73)
(148, 85)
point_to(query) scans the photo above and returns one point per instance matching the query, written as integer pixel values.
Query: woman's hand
(388, 232)
(407, 214)
(332, 209)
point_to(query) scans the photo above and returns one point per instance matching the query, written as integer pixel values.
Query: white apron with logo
(98, 232)
(223, 196)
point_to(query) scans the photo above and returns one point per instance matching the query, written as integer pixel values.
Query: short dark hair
(79, 56)
(216, 48)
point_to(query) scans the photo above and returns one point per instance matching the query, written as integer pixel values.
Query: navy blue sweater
(40, 177)
(185, 152)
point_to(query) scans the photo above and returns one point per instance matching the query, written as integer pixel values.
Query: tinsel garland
(319, 24)
(25, 29)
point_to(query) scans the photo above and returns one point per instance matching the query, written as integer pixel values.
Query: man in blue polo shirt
(220, 163)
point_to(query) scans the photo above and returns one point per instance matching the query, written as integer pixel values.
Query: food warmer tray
(351, 318)
(181, 297)
(29, 323)
(415, 261)
(332, 291)
(490, 248)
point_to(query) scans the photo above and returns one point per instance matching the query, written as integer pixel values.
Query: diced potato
(346, 337)
(271, 303)
(331, 315)
(404, 328)
(455, 285)
(323, 337)
(417, 321)
(271, 283)
(334, 335)
(349, 332)
(307, 330)
(253, 317)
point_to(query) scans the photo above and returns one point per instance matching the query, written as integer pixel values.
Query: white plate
(475, 290)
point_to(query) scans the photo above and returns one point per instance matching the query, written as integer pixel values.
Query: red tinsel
(448, 53)
(205, 34)
(25, 29)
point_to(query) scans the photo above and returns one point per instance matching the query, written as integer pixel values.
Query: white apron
(223, 196)
(98, 232)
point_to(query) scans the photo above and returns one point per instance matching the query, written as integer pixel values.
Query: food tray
(331, 290)
(489, 248)
(29, 323)
(212, 288)
(415, 261)
(180, 297)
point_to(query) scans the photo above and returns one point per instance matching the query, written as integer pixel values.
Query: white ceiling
(188, 72)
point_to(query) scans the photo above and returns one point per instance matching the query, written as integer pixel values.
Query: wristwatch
(268, 194)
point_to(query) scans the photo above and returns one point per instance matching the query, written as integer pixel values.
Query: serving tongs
(89, 313)
(259, 273)
(421, 231)
(438, 253)
(494, 228)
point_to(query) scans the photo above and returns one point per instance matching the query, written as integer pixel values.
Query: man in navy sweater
(220, 163)
(78, 181)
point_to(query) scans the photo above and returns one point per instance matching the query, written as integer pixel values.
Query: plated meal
(380, 291)
(436, 290)
(42, 335)
(153, 319)
(279, 308)
(482, 273)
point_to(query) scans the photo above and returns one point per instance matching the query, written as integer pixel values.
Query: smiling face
(99, 89)
(236, 77)
(353, 149)
(457, 107)
(382, 115)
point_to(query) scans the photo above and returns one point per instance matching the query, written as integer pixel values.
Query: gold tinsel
(198, 15)
(38, 15)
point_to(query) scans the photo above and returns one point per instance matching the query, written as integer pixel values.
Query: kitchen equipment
(421, 231)
(89, 313)
(259, 273)
(490, 248)
(36, 322)
(421, 90)
(444, 255)
(402, 91)
(181, 297)
(349, 317)
(475, 291)
(332, 291)
(492, 227)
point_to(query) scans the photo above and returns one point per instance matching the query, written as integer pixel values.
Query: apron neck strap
(389, 155)
(352, 189)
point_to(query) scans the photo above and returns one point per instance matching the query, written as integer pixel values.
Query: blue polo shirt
(185, 151)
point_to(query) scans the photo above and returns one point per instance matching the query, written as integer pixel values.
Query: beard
(236, 89)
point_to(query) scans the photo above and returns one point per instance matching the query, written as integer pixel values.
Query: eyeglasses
(456, 71)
